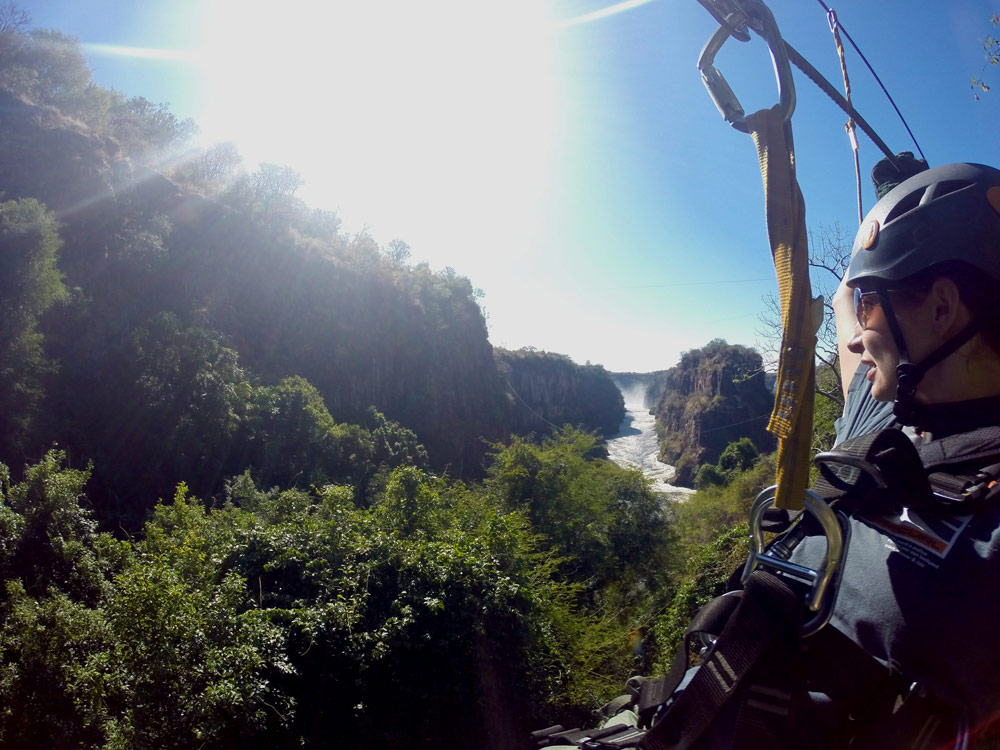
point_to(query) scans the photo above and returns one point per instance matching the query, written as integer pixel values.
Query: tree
(214, 167)
(398, 252)
(268, 192)
(29, 284)
(829, 261)
(738, 456)
(43, 65)
(143, 128)
(991, 45)
(13, 18)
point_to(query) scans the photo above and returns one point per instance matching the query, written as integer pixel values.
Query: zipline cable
(879, 80)
(827, 88)
(528, 406)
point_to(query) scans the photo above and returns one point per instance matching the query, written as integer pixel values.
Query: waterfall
(635, 445)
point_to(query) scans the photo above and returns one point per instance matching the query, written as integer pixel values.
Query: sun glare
(603, 13)
(414, 119)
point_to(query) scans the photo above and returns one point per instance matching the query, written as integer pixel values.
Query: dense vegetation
(437, 612)
(257, 479)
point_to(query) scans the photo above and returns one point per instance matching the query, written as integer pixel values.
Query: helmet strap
(909, 374)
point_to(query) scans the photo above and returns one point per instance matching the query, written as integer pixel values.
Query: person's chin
(882, 391)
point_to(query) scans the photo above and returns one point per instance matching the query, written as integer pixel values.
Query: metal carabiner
(761, 20)
(823, 581)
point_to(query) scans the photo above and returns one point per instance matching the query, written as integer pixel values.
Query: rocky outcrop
(714, 395)
(549, 390)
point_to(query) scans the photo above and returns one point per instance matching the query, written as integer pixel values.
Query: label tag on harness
(924, 539)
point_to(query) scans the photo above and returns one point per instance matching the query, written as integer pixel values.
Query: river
(635, 444)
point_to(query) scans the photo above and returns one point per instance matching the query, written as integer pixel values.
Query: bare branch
(13, 18)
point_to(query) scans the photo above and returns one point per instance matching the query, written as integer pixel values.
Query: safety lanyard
(801, 315)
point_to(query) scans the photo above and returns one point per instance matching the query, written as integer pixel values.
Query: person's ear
(948, 313)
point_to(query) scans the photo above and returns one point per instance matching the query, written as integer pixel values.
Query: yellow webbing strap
(791, 420)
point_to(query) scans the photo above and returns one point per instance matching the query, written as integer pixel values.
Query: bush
(708, 476)
(738, 456)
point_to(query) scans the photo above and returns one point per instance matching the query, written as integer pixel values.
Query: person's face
(873, 339)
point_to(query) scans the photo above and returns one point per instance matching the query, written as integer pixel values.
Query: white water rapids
(635, 445)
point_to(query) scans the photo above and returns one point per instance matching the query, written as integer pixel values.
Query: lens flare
(598, 15)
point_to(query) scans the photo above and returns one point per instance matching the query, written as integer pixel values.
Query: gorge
(636, 445)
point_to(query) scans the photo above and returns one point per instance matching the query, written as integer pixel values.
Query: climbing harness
(764, 649)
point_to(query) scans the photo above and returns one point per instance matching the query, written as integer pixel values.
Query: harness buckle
(823, 581)
(734, 19)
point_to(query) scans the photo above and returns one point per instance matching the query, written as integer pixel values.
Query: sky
(561, 154)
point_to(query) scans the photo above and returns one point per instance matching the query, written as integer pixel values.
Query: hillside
(186, 301)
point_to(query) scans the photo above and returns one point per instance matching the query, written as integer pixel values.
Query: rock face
(548, 389)
(715, 395)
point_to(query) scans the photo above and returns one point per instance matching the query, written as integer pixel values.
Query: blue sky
(568, 161)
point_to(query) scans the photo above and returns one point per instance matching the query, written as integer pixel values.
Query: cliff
(715, 395)
(546, 389)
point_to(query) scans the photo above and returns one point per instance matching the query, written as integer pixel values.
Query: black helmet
(947, 213)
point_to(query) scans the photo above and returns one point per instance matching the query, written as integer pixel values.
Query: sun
(409, 118)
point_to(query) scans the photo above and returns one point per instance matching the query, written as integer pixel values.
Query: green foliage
(191, 660)
(212, 169)
(711, 511)
(45, 66)
(142, 128)
(56, 571)
(47, 537)
(708, 476)
(29, 284)
(825, 410)
(738, 456)
(707, 577)
(712, 541)
(603, 521)
(221, 627)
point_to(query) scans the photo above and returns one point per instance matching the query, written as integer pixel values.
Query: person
(918, 319)
(919, 334)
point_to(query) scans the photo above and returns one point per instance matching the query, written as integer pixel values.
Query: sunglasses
(864, 303)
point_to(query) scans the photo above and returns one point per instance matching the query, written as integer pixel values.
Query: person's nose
(854, 344)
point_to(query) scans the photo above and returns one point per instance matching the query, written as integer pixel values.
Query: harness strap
(768, 613)
(884, 471)
(710, 619)
(880, 472)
